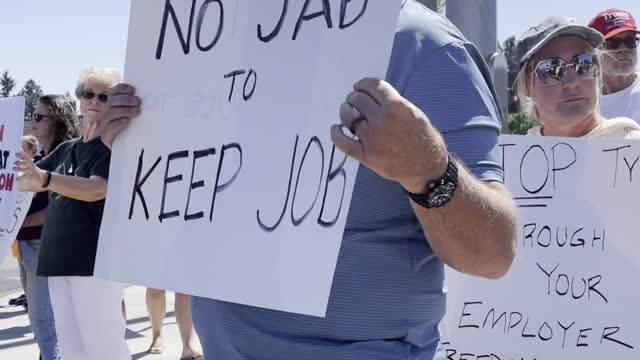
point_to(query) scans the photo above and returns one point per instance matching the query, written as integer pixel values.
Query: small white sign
(13, 205)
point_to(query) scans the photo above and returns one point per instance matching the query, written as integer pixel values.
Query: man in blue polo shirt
(388, 292)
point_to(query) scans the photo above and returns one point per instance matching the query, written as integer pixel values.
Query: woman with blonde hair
(560, 82)
(87, 310)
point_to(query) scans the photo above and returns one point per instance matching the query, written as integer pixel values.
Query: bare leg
(156, 306)
(183, 318)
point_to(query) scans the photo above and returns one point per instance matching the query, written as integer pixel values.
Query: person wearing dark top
(52, 123)
(87, 310)
(30, 146)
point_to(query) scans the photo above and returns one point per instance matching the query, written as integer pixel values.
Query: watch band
(47, 180)
(440, 191)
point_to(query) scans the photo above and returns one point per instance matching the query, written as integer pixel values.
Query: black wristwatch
(439, 192)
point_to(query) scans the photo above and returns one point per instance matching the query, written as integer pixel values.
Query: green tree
(519, 123)
(510, 52)
(7, 84)
(32, 93)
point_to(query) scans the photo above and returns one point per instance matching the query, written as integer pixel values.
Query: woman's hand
(30, 177)
(123, 106)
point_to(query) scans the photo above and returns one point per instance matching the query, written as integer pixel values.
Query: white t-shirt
(625, 103)
(616, 128)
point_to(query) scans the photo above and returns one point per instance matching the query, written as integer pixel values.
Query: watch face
(440, 195)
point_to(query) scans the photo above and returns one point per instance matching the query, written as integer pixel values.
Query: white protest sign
(11, 202)
(228, 185)
(17, 215)
(572, 290)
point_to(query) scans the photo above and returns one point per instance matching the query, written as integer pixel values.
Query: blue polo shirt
(388, 292)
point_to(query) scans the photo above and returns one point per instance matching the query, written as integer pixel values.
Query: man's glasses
(552, 71)
(629, 43)
(88, 94)
(38, 117)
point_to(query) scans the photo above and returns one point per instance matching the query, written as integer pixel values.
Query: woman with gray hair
(87, 310)
(560, 82)
(93, 88)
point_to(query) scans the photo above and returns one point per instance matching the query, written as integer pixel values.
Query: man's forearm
(475, 232)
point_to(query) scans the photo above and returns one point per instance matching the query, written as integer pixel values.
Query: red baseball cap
(612, 22)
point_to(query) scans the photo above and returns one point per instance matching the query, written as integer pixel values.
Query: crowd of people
(428, 193)
(74, 315)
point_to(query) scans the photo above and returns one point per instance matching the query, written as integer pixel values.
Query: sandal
(156, 349)
(192, 357)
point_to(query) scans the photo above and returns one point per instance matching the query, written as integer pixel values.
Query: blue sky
(52, 41)
(515, 16)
